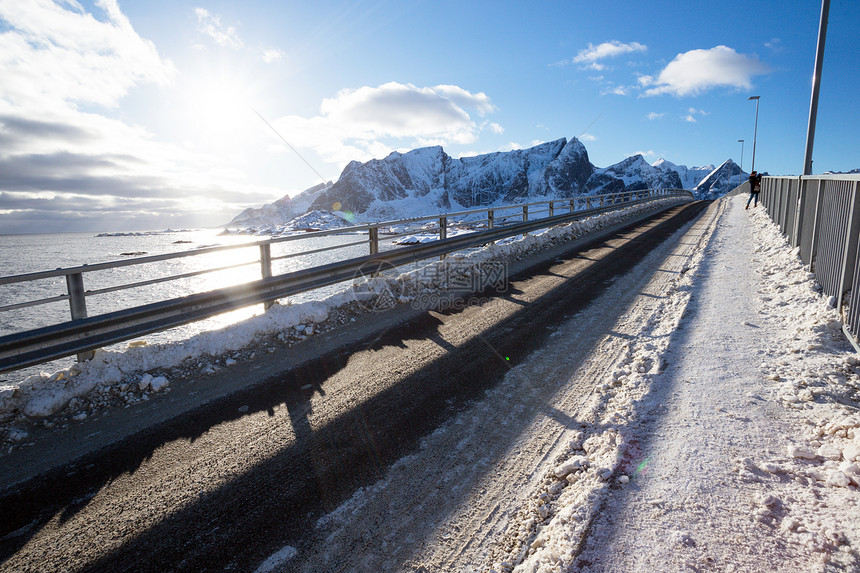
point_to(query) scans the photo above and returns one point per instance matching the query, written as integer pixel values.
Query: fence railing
(820, 214)
(84, 333)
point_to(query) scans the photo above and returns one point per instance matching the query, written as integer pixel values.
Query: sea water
(20, 254)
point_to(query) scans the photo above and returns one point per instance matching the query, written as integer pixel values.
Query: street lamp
(816, 84)
(740, 173)
(755, 133)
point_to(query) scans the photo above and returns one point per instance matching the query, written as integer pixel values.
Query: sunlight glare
(219, 111)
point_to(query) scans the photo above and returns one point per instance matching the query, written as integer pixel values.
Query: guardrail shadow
(285, 494)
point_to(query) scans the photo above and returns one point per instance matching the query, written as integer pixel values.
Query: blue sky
(143, 115)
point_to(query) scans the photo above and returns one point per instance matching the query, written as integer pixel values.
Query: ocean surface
(21, 254)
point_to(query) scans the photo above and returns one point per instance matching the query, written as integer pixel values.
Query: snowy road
(261, 468)
(675, 397)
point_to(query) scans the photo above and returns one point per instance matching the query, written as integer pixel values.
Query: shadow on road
(283, 495)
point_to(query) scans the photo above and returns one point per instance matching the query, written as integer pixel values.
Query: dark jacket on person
(755, 183)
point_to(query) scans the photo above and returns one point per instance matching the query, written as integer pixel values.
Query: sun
(218, 111)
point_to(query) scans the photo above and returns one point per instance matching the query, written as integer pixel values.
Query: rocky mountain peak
(428, 180)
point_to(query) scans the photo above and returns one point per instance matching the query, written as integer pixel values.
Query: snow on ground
(724, 435)
(730, 435)
(118, 378)
(721, 433)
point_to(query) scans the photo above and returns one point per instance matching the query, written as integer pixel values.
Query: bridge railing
(820, 214)
(85, 333)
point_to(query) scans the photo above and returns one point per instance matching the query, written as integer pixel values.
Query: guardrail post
(849, 259)
(266, 268)
(525, 215)
(78, 304)
(443, 232)
(795, 227)
(551, 208)
(77, 298)
(813, 240)
(491, 219)
(373, 239)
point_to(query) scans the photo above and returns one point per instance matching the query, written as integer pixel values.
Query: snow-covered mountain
(268, 215)
(631, 174)
(719, 181)
(428, 180)
(690, 176)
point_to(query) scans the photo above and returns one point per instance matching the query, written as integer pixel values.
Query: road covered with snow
(699, 413)
(720, 432)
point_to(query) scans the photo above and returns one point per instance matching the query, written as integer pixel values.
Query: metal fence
(820, 214)
(85, 333)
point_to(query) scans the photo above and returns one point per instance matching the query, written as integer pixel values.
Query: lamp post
(740, 173)
(755, 133)
(816, 83)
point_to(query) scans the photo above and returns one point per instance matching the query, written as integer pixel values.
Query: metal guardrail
(83, 334)
(820, 214)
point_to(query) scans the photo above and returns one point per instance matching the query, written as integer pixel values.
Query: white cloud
(587, 137)
(495, 127)
(697, 71)
(211, 25)
(590, 56)
(654, 115)
(51, 54)
(775, 44)
(692, 113)
(62, 160)
(463, 98)
(649, 153)
(272, 55)
(358, 123)
(615, 90)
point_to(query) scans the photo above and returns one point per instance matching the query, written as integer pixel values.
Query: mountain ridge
(428, 180)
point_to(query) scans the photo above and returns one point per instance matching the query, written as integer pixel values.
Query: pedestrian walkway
(717, 489)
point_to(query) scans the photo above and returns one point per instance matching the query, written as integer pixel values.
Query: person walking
(755, 188)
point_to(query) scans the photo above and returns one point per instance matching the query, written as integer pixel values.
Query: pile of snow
(431, 235)
(113, 378)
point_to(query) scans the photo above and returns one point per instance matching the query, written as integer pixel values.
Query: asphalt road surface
(225, 485)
